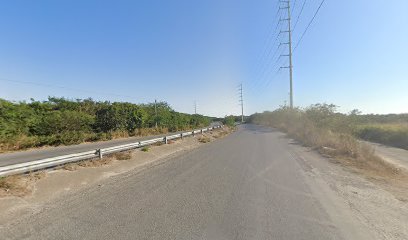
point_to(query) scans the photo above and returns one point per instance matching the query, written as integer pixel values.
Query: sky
(354, 54)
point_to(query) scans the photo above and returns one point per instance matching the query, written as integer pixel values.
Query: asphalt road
(245, 186)
(37, 154)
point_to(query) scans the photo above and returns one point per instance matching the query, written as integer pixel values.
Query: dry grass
(342, 147)
(219, 133)
(204, 139)
(96, 162)
(123, 155)
(19, 185)
(70, 166)
(145, 149)
(348, 151)
(224, 132)
(158, 144)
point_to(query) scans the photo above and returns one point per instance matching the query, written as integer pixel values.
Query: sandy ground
(379, 206)
(50, 185)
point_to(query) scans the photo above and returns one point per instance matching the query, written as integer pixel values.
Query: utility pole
(289, 43)
(241, 100)
(155, 111)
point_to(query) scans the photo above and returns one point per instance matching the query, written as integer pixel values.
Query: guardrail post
(99, 152)
(165, 140)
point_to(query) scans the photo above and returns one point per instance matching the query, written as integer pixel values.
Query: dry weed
(70, 166)
(123, 155)
(204, 139)
(95, 162)
(19, 185)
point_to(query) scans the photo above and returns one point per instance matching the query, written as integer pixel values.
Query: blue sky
(354, 55)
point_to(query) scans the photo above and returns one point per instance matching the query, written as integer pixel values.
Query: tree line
(59, 121)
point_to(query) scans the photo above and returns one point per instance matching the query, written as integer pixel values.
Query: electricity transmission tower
(289, 43)
(241, 100)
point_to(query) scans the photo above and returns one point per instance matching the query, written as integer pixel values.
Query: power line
(267, 73)
(300, 13)
(267, 49)
(294, 5)
(62, 87)
(264, 69)
(269, 36)
(310, 23)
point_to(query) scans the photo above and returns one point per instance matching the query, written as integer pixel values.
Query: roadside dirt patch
(123, 155)
(388, 176)
(19, 185)
(377, 200)
(96, 162)
(220, 133)
(204, 139)
(211, 136)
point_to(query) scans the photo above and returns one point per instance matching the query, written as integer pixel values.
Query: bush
(59, 121)
(229, 121)
(322, 127)
(392, 135)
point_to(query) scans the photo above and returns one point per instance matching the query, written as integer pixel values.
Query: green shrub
(229, 121)
(145, 149)
(59, 121)
(392, 135)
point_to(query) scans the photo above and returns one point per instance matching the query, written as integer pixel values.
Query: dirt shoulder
(397, 156)
(26, 194)
(379, 204)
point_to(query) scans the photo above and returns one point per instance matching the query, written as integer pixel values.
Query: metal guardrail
(56, 161)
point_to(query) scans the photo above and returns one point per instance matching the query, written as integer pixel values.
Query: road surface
(247, 185)
(37, 154)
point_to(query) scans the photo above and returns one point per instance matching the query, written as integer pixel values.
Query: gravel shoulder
(379, 206)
